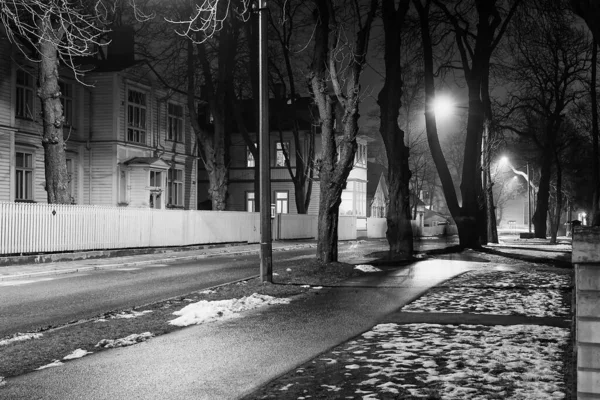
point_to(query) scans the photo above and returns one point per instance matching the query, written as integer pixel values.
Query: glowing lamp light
(442, 106)
(503, 160)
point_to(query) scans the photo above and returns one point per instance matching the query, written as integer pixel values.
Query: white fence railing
(44, 228)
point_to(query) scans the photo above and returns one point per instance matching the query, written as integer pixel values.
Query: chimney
(120, 49)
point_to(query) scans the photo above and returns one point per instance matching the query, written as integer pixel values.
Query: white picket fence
(41, 228)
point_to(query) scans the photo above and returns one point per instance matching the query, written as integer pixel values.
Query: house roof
(429, 214)
(281, 114)
(155, 162)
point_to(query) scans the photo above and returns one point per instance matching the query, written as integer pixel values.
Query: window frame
(24, 188)
(283, 201)
(24, 94)
(137, 131)
(250, 161)
(175, 187)
(69, 164)
(250, 197)
(285, 144)
(179, 125)
(67, 100)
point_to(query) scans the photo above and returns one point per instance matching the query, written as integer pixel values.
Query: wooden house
(128, 140)
(241, 193)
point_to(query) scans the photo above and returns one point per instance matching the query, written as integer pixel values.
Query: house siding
(102, 112)
(103, 172)
(6, 155)
(6, 86)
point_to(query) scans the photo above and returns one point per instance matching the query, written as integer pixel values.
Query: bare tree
(337, 61)
(286, 23)
(550, 61)
(478, 26)
(49, 32)
(399, 230)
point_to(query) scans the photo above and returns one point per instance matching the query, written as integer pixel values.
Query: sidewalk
(231, 358)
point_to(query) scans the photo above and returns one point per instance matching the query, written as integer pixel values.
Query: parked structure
(128, 140)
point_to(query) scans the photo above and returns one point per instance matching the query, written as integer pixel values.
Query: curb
(66, 271)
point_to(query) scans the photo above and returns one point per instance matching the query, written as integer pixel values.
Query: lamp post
(504, 160)
(266, 246)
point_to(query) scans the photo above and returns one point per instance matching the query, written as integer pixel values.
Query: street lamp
(442, 106)
(505, 161)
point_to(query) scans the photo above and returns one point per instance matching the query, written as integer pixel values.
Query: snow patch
(367, 268)
(77, 354)
(206, 311)
(54, 363)
(126, 341)
(20, 337)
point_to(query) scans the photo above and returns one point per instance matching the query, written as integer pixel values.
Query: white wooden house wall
(95, 141)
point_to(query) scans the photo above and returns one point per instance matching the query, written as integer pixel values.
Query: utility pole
(528, 198)
(266, 248)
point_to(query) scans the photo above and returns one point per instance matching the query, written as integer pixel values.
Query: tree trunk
(491, 209)
(543, 193)
(557, 215)
(337, 155)
(212, 144)
(55, 163)
(399, 230)
(595, 217)
(327, 237)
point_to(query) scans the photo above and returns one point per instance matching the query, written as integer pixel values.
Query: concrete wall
(586, 258)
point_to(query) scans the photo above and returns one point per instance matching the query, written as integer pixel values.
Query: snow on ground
(54, 363)
(506, 279)
(19, 337)
(126, 341)
(529, 293)
(367, 268)
(77, 354)
(206, 311)
(2, 381)
(528, 302)
(460, 361)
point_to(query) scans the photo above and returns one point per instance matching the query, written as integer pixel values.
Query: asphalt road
(33, 303)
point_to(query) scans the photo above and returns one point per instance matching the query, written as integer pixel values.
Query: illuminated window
(282, 202)
(250, 202)
(280, 160)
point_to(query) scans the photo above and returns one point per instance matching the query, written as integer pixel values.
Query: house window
(280, 160)
(24, 175)
(24, 95)
(156, 184)
(70, 179)
(361, 155)
(155, 179)
(250, 202)
(281, 202)
(175, 183)
(66, 99)
(175, 123)
(250, 162)
(136, 117)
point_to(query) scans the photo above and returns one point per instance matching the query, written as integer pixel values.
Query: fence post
(586, 259)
